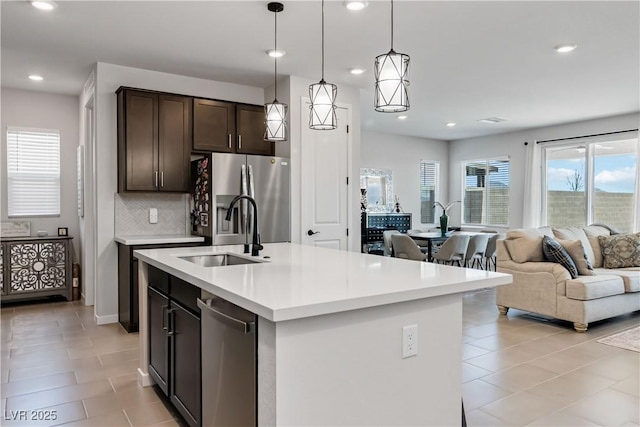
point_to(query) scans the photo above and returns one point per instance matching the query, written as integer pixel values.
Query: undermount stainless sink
(218, 260)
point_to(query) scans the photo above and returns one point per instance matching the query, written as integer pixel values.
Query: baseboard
(144, 379)
(105, 320)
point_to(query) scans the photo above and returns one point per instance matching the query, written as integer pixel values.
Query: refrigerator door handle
(243, 203)
(252, 194)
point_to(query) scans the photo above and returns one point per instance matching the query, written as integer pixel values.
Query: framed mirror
(376, 186)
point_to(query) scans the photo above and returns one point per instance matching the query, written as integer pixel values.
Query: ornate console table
(35, 267)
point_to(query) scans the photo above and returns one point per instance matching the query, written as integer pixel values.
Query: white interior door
(324, 165)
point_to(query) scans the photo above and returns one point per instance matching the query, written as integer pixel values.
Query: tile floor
(517, 370)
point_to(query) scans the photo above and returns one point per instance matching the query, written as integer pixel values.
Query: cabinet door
(158, 339)
(250, 128)
(214, 124)
(140, 140)
(174, 142)
(186, 378)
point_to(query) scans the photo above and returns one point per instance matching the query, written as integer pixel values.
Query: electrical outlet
(409, 341)
(153, 216)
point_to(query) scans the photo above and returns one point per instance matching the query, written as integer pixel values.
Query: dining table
(432, 237)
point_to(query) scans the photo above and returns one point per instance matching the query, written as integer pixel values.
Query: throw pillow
(554, 252)
(525, 249)
(597, 251)
(575, 249)
(620, 250)
(575, 233)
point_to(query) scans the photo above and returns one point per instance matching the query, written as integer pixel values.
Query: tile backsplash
(132, 214)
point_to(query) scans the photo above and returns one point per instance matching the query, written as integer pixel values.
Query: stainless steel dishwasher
(229, 363)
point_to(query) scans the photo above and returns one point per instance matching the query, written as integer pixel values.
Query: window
(33, 172)
(486, 192)
(591, 182)
(429, 172)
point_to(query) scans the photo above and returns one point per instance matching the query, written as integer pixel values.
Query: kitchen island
(330, 331)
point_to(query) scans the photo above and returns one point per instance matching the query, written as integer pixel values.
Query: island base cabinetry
(174, 342)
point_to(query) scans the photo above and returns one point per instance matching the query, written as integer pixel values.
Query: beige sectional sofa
(547, 288)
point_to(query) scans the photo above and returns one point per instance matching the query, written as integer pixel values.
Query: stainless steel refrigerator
(218, 178)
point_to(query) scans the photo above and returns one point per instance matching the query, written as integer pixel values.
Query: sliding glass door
(592, 182)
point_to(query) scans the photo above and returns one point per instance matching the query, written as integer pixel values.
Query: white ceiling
(469, 60)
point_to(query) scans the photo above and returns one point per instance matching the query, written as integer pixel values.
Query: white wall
(108, 78)
(512, 145)
(402, 155)
(23, 108)
(298, 88)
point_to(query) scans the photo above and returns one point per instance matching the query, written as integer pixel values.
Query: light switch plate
(153, 216)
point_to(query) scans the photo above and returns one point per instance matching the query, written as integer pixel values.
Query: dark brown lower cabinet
(174, 343)
(186, 373)
(159, 342)
(128, 281)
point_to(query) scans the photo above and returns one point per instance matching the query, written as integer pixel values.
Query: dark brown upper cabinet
(227, 127)
(250, 128)
(154, 141)
(214, 125)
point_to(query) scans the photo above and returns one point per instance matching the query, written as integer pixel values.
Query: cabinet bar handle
(156, 179)
(229, 139)
(162, 179)
(164, 316)
(239, 142)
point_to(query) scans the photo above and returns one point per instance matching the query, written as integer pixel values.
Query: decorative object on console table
(15, 229)
(444, 218)
(63, 231)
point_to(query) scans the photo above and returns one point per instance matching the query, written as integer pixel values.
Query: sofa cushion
(630, 277)
(586, 288)
(597, 251)
(575, 249)
(525, 244)
(620, 250)
(592, 232)
(554, 252)
(575, 233)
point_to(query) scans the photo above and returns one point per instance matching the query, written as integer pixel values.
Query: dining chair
(453, 250)
(405, 247)
(490, 253)
(386, 238)
(476, 250)
(424, 246)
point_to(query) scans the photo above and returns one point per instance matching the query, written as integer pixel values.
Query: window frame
(589, 158)
(19, 129)
(436, 196)
(463, 173)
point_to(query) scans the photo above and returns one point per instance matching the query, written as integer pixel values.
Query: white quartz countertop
(158, 239)
(297, 281)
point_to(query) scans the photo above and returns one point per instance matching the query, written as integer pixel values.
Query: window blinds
(486, 192)
(428, 184)
(33, 172)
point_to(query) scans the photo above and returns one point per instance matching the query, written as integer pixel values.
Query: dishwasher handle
(241, 325)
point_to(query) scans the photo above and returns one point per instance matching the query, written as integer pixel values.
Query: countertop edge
(156, 240)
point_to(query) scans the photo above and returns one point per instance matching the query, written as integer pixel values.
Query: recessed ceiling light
(564, 48)
(492, 120)
(36, 78)
(357, 71)
(451, 124)
(402, 117)
(355, 5)
(43, 4)
(276, 53)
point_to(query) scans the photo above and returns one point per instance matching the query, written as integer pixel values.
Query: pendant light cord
(391, 24)
(275, 60)
(322, 40)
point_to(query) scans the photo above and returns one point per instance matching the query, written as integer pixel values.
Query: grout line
(124, 411)
(111, 384)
